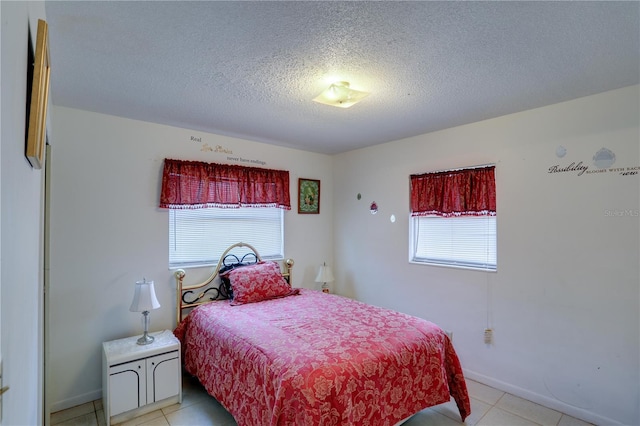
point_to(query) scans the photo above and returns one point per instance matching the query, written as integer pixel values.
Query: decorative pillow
(225, 284)
(258, 282)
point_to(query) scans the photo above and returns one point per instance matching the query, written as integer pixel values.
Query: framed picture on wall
(308, 196)
(39, 94)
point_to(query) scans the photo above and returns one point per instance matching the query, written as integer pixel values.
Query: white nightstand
(137, 379)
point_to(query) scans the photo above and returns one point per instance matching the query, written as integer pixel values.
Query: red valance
(465, 192)
(194, 184)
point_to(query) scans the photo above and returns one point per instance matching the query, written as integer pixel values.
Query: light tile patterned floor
(489, 407)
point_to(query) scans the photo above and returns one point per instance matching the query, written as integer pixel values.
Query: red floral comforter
(319, 359)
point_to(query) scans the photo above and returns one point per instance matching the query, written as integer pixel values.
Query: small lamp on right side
(324, 276)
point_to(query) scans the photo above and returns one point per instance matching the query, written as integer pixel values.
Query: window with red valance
(464, 192)
(211, 206)
(453, 219)
(194, 184)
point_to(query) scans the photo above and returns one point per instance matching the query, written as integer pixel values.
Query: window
(198, 236)
(453, 218)
(213, 206)
(463, 241)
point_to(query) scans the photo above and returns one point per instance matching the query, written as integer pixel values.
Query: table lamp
(144, 300)
(324, 276)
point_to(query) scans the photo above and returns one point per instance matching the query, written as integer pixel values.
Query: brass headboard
(216, 292)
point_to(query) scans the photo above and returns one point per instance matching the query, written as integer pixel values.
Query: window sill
(454, 266)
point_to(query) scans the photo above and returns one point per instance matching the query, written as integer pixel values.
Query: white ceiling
(251, 69)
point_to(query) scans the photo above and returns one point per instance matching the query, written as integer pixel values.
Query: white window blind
(461, 241)
(197, 237)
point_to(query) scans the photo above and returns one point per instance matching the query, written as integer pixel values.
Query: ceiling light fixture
(340, 95)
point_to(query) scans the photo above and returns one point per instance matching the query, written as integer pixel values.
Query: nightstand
(138, 379)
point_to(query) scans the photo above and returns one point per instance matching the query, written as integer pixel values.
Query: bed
(296, 356)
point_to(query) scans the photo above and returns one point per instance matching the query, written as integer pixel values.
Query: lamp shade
(324, 275)
(144, 298)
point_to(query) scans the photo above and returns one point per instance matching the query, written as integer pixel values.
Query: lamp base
(145, 339)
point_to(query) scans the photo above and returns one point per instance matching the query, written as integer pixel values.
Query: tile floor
(489, 407)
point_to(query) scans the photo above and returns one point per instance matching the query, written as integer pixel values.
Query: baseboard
(554, 404)
(76, 400)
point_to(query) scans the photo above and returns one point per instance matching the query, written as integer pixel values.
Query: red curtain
(194, 184)
(466, 192)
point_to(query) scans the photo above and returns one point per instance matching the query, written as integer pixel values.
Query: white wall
(107, 232)
(564, 304)
(21, 236)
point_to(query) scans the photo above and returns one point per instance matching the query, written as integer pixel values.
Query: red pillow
(258, 282)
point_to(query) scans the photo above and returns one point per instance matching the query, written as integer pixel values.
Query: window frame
(414, 222)
(264, 254)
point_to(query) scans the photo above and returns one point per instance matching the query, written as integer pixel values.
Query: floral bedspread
(320, 359)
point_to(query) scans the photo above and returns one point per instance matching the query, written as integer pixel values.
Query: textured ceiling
(251, 69)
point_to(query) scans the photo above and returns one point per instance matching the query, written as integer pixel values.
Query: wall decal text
(220, 148)
(246, 160)
(602, 160)
(580, 169)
